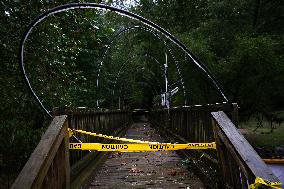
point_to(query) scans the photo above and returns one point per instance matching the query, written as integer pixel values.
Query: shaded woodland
(241, 43)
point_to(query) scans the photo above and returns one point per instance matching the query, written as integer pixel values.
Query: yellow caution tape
(260, 182)
(107, 136)
(142, 147)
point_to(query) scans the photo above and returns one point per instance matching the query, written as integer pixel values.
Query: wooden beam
(242, 148)
(40, 162)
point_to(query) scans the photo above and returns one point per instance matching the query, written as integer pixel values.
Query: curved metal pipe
(158, 37)
(130, 59)
(155, 60)
(143, 20)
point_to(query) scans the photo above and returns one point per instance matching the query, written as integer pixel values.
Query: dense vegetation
(240, 41)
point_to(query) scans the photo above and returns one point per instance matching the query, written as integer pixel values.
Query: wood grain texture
(49, 157)
(144, 169)
(192, 124)
(237, 145)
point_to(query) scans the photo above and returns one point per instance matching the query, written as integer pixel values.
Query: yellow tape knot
(262, 182)
(70, 132)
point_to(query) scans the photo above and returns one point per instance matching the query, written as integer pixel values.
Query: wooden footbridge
(234, 164)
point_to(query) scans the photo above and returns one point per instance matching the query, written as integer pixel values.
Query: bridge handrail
(52, 165)
(110, 122)
(194, 124)
(239, 163)
(84, 111)
(48, 166)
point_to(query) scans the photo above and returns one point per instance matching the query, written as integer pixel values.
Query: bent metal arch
(143, 20)
(135, 27)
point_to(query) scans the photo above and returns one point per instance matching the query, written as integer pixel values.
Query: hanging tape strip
(141, 146)
(71, 132)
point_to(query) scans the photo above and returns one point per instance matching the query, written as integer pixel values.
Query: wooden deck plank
(144, 170)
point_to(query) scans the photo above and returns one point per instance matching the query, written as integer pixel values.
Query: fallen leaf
(115, 154)
(136, 170)
(173, 172)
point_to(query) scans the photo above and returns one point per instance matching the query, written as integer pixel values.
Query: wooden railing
(48, 166)
(234, 164)
(92, 120)
(239, 163)
(104, 122)
(194, 124)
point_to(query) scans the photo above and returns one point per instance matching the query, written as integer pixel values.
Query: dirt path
(144, 170)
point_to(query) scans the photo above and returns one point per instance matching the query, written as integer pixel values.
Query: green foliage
(241, 42)
(254, 72)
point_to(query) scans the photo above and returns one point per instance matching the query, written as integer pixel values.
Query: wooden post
(67, 162)
(48, 166)
(235, 114)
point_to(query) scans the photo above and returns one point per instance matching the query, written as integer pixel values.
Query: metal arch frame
(143, 20)
(130, 59)
(157, 37)
(148, 56)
